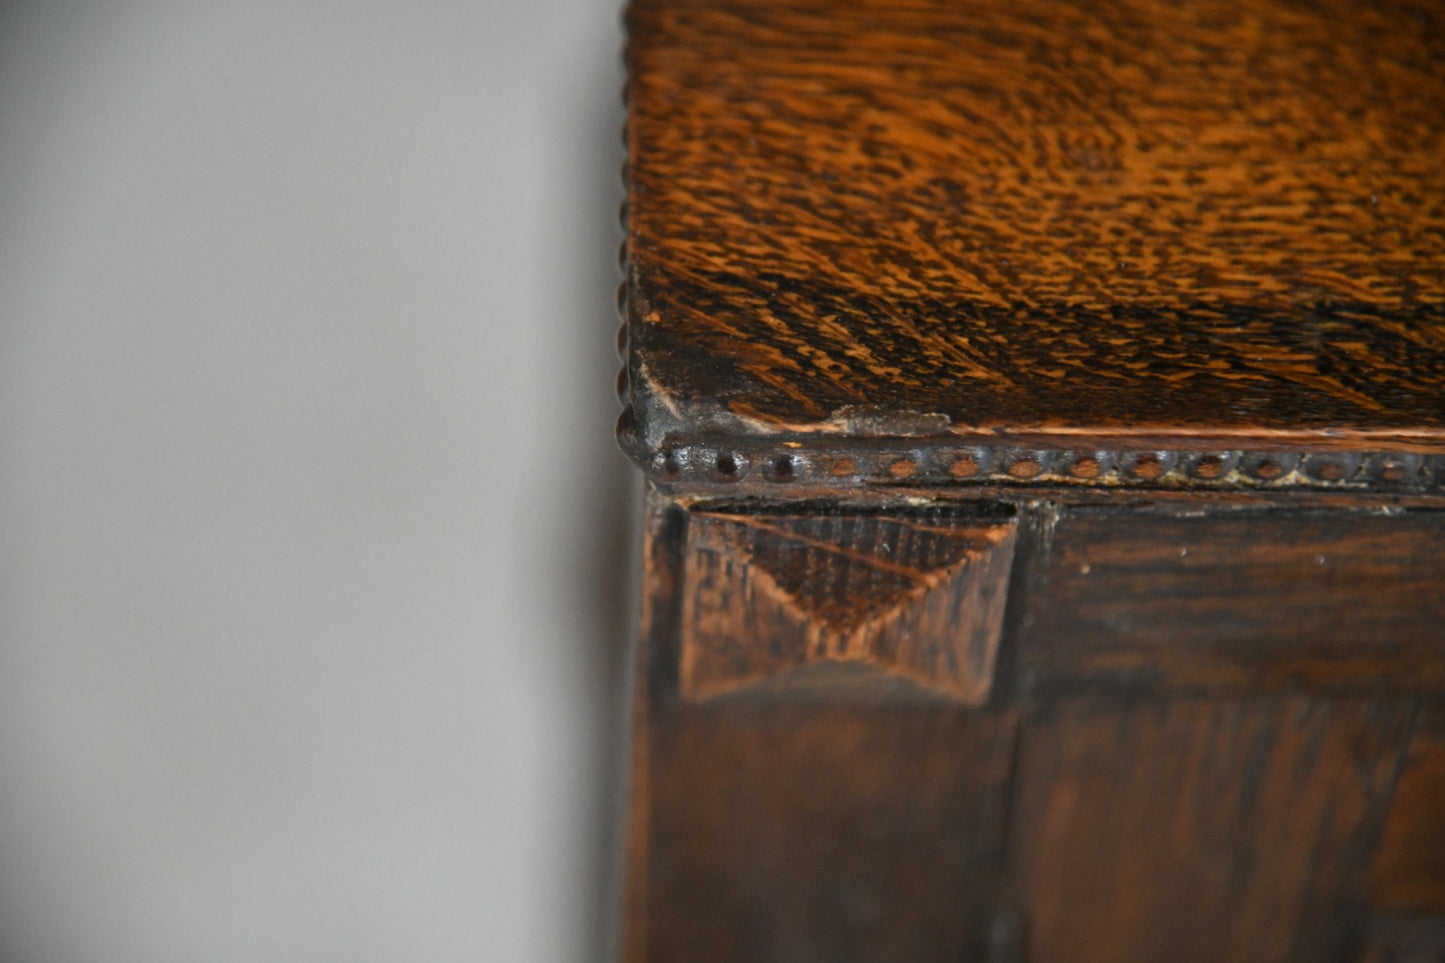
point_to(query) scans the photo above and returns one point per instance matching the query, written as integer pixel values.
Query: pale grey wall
(309, 510)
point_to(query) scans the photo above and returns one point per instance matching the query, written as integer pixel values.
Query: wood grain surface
(792, 832)
(1408, 876)
(1200, 831)
(1223, 600)
(1213, 223)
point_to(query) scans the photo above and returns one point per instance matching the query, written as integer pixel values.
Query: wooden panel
(790, 830)
(821, 832)
(908, 601)
(1200, 830)
(1242, 601)
(1073, 219)
(1409, 871)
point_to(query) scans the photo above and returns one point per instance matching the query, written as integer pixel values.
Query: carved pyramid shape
(851, 571)
(918, 598)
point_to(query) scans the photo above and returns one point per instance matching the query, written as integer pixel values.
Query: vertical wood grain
(1200, 830)
(791, 833)
(1408, 875)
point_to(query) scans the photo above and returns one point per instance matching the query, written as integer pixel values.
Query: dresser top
(1025, 236)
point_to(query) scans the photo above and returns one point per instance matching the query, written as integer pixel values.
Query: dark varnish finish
(1404, 939)
(814, 831)
(1097, 226)
(1408, 876)
(1193, 830)
(1242, 601)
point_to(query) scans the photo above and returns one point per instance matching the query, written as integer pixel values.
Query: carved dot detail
(1024, 468)
(666, 465)
(1147, 467)
(679, 460)
(965, 466)
(781, 468)
(1210, 466)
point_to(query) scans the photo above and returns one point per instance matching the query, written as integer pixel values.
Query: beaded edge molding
(884, 462)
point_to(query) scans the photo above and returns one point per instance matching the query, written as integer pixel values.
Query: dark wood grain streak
(1193, 830)
(1408, 876)
(1404, 939)
(1216, 221)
